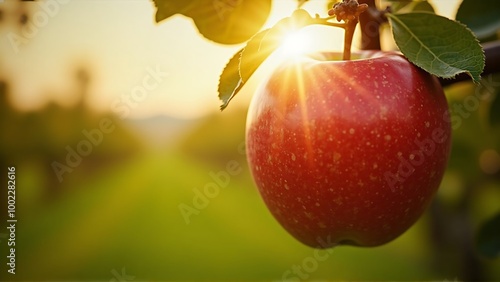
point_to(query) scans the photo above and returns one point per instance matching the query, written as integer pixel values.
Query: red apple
(348, 152)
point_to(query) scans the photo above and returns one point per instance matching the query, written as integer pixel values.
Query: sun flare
(295, 44)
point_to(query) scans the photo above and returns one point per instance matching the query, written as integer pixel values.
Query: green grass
(129, 218)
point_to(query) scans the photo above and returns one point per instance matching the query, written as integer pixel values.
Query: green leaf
(165, 9)
(256, 51)
(222, 21)
(266, 41)
(480, 16)
(406, 6)
(421, 6)
(440, 46)
(230, 81)
(488, 238)
(397, 6)
(254, 55)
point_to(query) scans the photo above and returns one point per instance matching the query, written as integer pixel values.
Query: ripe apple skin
(348, 152)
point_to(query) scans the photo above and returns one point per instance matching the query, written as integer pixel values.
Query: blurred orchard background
(113, 124)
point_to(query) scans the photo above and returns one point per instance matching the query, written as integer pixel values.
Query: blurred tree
(43, 137)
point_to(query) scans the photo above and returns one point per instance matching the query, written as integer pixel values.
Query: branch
(370, 22)
(492, 64)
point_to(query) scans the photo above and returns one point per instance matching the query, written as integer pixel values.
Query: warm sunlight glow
(295, 43)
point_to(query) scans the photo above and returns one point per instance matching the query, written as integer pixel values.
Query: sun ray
(306, 124)
(295, 44)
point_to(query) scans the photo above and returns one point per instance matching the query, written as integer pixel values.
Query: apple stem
(325, 22)
(348, 11)
(350, 27)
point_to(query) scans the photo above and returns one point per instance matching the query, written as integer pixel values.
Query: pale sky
(120, 41)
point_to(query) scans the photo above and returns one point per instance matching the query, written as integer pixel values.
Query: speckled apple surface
(348, 152)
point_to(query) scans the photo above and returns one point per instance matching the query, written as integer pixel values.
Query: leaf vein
(422, 45)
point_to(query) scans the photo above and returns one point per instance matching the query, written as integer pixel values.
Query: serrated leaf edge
(241, 82)
(264, 32)
(475, 80)
(239, 85)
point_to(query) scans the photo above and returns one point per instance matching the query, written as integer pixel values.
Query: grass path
(129, 218)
